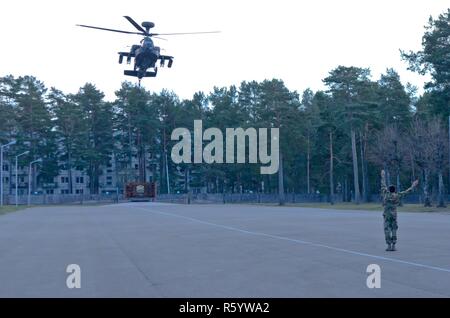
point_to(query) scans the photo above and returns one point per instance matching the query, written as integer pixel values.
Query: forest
(333, 141)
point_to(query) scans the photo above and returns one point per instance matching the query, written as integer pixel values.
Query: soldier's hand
(415, 183)
(383, 173)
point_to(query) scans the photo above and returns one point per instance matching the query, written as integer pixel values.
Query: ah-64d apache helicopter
(145, 55)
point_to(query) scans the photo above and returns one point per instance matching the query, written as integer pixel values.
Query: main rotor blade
(105, 29)
(137, 26)
(184, 33)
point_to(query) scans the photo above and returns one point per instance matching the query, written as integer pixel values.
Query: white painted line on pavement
(300, 241)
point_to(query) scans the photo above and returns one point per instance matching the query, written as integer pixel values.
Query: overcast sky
(296, 41)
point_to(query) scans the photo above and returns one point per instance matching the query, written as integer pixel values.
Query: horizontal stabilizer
(135, 74)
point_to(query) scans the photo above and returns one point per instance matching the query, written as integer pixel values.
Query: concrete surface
(164, 250)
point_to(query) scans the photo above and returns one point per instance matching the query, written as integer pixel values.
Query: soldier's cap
(391, 188)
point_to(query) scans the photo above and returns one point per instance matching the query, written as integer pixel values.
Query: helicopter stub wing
(164, 58)
(128, 55)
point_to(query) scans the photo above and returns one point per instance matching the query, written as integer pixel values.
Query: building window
(64, 191)
(79, 191)
(80, 180)
(50, 191)
(109, 171)
(64, 179)
(136, 166)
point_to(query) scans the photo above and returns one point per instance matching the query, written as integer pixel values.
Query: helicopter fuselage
(145, 57)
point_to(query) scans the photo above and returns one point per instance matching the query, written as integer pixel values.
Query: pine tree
(98, 146)
(351, 90)
(71, 131)
(279, 108)
(434, 59)
(136, 129)
(34, 131)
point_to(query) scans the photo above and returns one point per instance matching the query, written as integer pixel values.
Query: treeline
(333, 141)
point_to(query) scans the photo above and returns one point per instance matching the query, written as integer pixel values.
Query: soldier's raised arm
(414, 184)
(384, 188)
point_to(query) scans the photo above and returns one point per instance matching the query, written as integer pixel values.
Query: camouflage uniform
(390, 203)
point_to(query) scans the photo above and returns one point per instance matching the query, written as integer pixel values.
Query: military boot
(393, 248)
(389, 248)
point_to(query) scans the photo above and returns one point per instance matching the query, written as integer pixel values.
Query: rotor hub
(148, 25)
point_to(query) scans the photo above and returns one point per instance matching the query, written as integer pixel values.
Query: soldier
(391, 199)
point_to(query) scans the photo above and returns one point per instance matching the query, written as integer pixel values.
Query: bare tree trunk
(165, 175)
(34, 178)
(10, 178)
(163, 178)
(130, 154)
(413, 170)
(144, 162)
(308, 163)
(365, 166)
(331, 169)
(141, 158)
(97, 179)
(69, 162)
(281, 196)
(427, 199)
(345, 198)
(355, 167)
(441, 201)
(186, 185)
(364, 190)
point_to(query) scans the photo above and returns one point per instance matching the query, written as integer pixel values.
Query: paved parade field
(165, 250)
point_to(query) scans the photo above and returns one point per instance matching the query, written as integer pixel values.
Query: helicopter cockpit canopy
(147, 43)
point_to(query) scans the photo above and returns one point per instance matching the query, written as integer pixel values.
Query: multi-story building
(111, 179)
